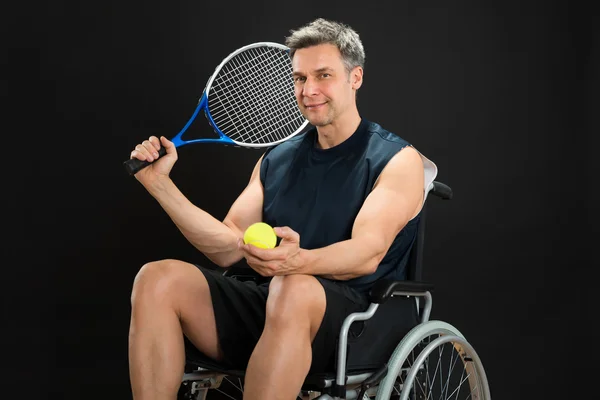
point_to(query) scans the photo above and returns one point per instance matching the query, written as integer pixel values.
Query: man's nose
(310, 87)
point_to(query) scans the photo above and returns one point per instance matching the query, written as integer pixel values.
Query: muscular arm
(217, 240)
(395, 200)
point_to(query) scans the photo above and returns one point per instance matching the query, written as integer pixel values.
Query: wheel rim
(446, 368)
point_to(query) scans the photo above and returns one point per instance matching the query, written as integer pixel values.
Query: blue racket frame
(202, 104)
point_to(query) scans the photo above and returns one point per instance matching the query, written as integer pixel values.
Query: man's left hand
(281, 260)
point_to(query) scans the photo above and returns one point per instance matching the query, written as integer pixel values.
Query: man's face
(324, 88)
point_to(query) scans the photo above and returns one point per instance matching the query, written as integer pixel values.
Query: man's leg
(282, 357)
(169, 298)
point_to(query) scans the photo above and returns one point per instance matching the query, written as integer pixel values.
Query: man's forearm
(209, 235)
(343, 260)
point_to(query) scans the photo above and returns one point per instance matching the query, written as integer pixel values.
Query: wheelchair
(433, 360)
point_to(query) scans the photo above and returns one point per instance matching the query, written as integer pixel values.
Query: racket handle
(133, 165)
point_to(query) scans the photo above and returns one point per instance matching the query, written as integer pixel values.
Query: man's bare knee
(296, 299)
(172, 283)
(157, 280)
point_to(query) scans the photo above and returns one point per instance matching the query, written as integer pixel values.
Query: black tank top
(319, 192)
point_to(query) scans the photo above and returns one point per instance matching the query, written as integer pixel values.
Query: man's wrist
(306, 259)
(159, 185)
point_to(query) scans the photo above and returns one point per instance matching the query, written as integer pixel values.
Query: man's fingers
(268, 269)
(285, 232)
(169, 146)
(264, 254)
(155, 142)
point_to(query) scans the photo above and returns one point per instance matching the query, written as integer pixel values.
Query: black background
(499, 95)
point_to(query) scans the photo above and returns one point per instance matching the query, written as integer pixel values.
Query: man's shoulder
(378, 133)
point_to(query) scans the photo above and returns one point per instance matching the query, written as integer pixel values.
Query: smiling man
(345, 199)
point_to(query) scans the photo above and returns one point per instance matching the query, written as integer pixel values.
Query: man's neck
(338, 131)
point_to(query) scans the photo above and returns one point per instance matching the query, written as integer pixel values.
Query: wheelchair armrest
(442, 190)
(385, 288)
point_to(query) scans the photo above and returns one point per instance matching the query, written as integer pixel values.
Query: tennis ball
(260, 235)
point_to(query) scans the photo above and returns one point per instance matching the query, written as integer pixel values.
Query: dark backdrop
(498, 95)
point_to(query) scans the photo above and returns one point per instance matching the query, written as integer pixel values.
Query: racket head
(249, 101)
(250, 97)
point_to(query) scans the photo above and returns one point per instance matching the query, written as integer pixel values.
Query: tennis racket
(249, 101)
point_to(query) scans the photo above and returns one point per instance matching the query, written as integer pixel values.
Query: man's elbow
(224, 260)
(373, 263)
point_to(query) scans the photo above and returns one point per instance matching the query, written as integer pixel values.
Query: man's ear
(356, 77)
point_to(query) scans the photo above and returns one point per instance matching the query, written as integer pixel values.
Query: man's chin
(318, 121)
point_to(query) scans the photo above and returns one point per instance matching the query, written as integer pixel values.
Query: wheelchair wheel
(434, 361)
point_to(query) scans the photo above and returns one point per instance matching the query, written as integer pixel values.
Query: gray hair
(322, 31)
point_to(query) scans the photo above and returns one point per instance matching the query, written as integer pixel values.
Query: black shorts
(240, 311)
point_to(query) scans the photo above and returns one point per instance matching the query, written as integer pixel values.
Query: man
(344, 198)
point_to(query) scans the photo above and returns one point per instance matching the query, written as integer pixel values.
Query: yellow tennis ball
(260, 235)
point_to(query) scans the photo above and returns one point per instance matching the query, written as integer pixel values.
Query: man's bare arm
(215, 239)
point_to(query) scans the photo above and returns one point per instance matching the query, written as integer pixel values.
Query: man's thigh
(239, 309)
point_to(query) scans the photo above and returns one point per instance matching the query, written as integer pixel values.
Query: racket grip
(133, 165)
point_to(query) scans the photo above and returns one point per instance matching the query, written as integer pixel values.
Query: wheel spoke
(450, 370)
(234, 385)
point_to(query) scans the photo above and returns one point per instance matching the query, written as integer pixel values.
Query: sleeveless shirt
(319, 192)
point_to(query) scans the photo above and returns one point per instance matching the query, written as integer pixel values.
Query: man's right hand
(161, 167)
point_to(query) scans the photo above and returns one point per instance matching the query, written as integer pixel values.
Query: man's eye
(325, 75)
(299, 79)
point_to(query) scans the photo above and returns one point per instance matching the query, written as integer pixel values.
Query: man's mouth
(314, 106)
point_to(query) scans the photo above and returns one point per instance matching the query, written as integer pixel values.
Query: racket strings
(275, 95)
(259, 92)
(252, 97)
(259, 70)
